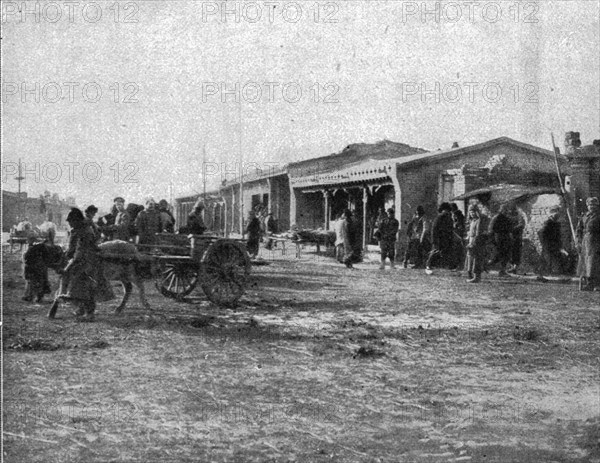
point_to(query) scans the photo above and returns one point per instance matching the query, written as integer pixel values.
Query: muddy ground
(316, 364)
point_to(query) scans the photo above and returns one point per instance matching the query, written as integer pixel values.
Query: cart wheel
(225, 270)
(176, 280)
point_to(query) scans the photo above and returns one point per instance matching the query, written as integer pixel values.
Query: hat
(593, 201)
(118, 199)
(91, 209)
(75, 215)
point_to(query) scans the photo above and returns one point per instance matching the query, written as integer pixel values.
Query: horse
(121, 261)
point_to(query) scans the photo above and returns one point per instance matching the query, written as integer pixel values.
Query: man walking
(442, 237)
(551, 241)
(388, 229)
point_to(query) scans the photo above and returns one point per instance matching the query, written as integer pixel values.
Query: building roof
(504, 193)
(269, 171)
(352, 155)
(194, 195)
(434, 156)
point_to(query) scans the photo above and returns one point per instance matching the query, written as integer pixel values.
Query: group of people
(451, 240)
(133, 222)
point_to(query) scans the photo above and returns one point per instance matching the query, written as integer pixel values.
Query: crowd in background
(478, 242)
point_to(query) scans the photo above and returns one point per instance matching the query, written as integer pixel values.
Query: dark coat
(442, 231)
(389, 229)
(550, 236)
(148, 224)
(195, 224)
(81, 279)
(588, 237)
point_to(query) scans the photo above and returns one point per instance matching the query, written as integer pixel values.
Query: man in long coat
(388, 228)
(442, 238)
(588, 239)
(500, 231)
(148, 223)
(551, 240)
(82, 277)
(476, 242)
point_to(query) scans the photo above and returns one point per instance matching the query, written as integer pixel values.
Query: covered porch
(366, 189)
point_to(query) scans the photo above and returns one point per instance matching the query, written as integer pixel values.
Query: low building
(16, 207)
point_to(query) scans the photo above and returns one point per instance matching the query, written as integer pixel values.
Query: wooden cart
(179, 262)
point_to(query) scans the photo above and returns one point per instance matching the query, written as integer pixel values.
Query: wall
(31, 209)
(310, 210)
(420, 185)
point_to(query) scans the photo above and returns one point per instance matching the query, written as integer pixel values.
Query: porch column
(233, 204)
(397, 194)
(292, 206)
(365, 200)
(326, 195)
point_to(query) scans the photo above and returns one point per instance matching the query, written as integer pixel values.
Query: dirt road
(317, 364)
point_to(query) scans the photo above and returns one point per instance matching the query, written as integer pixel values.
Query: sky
(101, 99)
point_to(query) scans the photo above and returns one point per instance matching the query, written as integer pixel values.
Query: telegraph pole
(19, 179)
(241, 174)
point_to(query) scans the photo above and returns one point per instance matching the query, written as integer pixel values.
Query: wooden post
(365, 200)
(326, 197)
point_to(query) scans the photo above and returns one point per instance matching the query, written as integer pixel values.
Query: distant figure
(442, 238)
(148, 223)
(588, 240)
(418, 240)
(90, 212)
(195, 223)
(271, 229)
(500, 231)
(458, 221)
(339, 238)
(48, 229)
(166, 217)
(551, 240)
(476, 242)
(517, 220)
(387, 244)
(106, 222)
(24, 225)
(121, 229)
(348, 237)
(253, 231)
